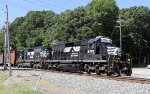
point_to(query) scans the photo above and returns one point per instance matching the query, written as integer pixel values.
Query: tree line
(97, 18)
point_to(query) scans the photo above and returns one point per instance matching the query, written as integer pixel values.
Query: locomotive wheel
(109, 73)
(34, 66)
(37, 66)
(58, 69)
(128, 73)
(98, 72)
(44, 66)
(81, 71)
(19, 65)
(88, 71)
(48, 66)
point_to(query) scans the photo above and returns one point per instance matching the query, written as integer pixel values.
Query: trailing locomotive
(96, 55)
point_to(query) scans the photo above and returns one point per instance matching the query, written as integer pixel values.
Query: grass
(17, 88)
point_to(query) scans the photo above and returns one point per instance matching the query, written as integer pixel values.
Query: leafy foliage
(97, 18)
(29, 31)
(137, 31)
(105, 13)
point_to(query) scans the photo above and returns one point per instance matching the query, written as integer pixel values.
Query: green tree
(137, 31)
(104, 13)
(1, 41)
(29, 31)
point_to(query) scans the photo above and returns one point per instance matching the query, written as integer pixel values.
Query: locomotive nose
(114, 51)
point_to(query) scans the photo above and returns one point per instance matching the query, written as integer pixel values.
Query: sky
(18, 8)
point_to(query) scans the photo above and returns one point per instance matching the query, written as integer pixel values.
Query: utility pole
(120, 28)
(5, 48)
(7, 37)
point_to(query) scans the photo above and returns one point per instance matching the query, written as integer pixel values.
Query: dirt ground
(31, 81)
(28, 80)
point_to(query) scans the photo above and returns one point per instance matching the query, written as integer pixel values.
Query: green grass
(14, 89)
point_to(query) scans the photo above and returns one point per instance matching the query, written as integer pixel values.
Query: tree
(104, 13)
(1, 41)
(137, 31)
(29, 31)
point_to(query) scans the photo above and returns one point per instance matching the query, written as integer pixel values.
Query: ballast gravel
(74, 84)
(141, 73)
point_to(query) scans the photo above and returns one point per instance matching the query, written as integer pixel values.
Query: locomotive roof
(81, 42)
(104, 39)
(68, 44)
(35, 47)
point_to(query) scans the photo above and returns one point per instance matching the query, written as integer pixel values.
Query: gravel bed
(141, 73)
(72, 84)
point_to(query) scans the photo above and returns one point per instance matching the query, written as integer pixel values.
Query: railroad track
(133, 80)
(122, 78)
(15, 68)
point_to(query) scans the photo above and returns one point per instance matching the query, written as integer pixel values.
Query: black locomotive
(96, 55)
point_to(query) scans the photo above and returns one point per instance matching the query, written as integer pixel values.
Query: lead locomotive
(96, 55)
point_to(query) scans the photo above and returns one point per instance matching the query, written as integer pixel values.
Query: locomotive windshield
(106, 42)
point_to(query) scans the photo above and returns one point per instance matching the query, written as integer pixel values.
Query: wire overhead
(54, 5)
(2, 17)
(42, 5)
(16, 5)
